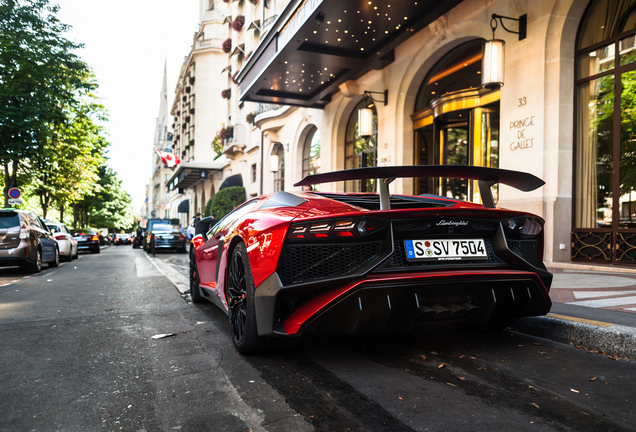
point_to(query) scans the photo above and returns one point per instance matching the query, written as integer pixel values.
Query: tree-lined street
(79, 355)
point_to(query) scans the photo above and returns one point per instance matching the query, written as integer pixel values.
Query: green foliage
(40, 78)
(108, 206)
(226, 200)
(217, 146)
(208, 208)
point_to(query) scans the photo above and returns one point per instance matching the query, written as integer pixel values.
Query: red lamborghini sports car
(287, 262)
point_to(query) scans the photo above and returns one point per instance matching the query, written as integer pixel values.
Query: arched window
(361, 151)
(311, 153)
(456, 122)
(605, 133)
(278, 166)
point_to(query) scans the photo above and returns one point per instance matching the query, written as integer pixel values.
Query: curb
(589, 267)
(615, 340)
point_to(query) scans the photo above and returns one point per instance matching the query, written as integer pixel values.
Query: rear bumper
(397, 302)
(177, 244)
(14, 257)
(87, 246)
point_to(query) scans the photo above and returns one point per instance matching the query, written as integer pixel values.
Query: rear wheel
(56, 260)
(241, 304)
(195, 292)
(36, 266)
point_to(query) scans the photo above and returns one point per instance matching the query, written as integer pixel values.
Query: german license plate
(166, 237)
(445, 250)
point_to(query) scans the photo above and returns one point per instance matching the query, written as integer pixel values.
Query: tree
(40, 77)
(66, 169)
(108, 206)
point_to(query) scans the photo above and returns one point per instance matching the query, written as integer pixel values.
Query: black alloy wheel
(36, 266)
(56, 260)
(241, 304)
(195, 293)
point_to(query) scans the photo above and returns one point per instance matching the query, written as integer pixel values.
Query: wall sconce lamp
(365, 122)
(385, 93)
(274, 161)
(492, 67)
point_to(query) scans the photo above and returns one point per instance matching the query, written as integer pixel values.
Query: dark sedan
(87, 239)
(165, 236)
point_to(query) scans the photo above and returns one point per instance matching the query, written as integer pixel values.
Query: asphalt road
(77, 355)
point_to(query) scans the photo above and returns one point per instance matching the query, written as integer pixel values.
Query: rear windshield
(163, 227)
(83, 232)
(9, 219)
(122, 235)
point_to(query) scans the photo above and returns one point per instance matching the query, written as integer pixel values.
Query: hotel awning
(316, 45)
(189, 174)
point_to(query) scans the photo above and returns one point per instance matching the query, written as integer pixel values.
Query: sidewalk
(593, 306)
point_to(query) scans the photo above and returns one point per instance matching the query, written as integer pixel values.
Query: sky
(127, 43)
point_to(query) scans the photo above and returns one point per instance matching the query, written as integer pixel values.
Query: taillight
(95, 238)
(182, 237)
(350, 227)
(60, 237)
(24, 231)
(526, 225)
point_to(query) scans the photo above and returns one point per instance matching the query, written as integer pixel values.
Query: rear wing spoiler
(486, 177)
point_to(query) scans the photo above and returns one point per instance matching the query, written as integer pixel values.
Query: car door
(47, 242)
(210, 252)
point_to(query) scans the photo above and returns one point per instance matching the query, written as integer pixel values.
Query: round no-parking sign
(14, 193)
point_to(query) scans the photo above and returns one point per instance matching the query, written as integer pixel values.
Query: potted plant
(227, 45)
(234, 80)
(191, 80)
(250, 117)
(226, 94)
(188, 89)
(247, 56)
(191, 110)
(238, 23)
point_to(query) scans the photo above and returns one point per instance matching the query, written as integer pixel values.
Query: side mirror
(204, 225)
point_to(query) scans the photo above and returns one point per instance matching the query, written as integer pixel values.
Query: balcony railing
(264, 107)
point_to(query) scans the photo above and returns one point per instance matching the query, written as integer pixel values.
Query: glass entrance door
(460, 137)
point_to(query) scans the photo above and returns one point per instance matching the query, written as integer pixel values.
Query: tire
(195, 291)
(56, 260)
(240, 294)
(36, 266)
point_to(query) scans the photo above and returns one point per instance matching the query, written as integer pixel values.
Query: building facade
(411, 73)
(198, 114)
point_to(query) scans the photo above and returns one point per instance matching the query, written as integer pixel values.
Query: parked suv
(26, 241)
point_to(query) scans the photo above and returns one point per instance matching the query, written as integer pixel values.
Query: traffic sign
(14, 193)
(14, 201)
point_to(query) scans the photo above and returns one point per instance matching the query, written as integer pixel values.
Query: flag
(169, 159)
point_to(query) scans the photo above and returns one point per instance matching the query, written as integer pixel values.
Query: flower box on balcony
(238, 23)
(234, 80)
(226, 94)
(226, 132)
(188, 89)
(254, 2)
(187, 119)
(191, 110)
(191, 80)
(227, 45)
